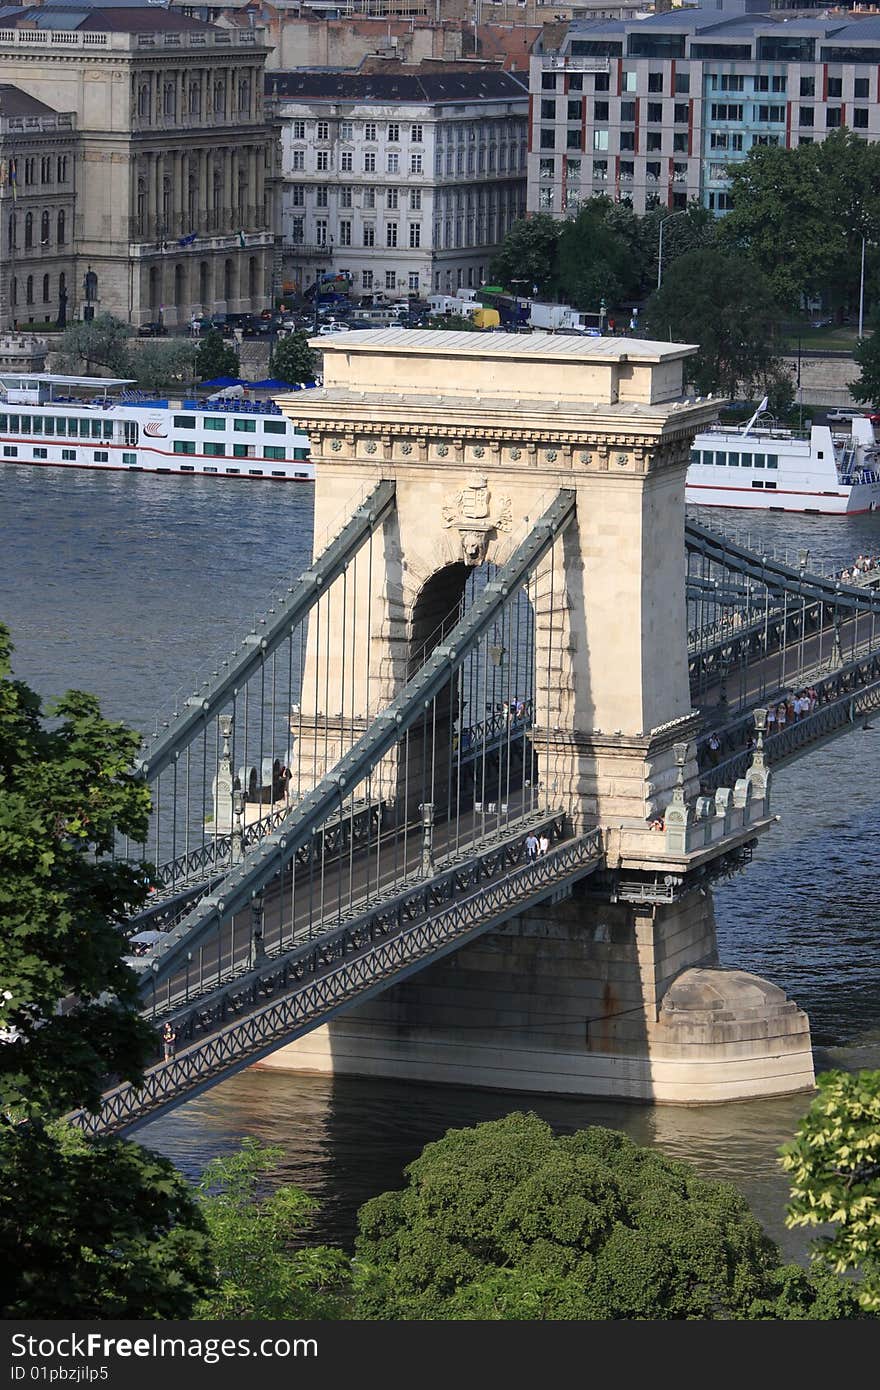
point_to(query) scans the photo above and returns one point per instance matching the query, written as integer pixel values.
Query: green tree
(834, 1167)
(158, 363)
(258, 1273)
(595, 259)
(98, 342)
(293, 360)
(88, 1228)
(724, 304)
(96, 1229)
(866, 389)
(800, 215)
(528, 255)
(506, 1221)
(215, 358)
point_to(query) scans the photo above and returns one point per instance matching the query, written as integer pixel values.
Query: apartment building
(175, 163)
(654, 111)
(407, 181)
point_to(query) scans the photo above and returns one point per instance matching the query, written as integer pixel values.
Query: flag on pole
(764, 404)
(241, 240)
(13, 178)
(187, 240)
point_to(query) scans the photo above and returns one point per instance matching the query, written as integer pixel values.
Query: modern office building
(654, 111)
(406, 180)
(175, 162)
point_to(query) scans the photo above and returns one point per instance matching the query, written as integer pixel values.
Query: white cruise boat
(99, 422)
(762, 466)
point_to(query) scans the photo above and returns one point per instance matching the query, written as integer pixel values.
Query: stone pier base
(586, 998)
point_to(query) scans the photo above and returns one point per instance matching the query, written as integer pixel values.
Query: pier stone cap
(700, 989)
(535, 366)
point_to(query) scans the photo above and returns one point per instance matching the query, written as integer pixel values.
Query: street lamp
(862, 290)
(682, 212)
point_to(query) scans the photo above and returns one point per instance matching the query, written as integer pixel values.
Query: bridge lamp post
(427, 810)
(237, 837)
(258, 951)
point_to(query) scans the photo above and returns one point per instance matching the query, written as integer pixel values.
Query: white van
(375, 318)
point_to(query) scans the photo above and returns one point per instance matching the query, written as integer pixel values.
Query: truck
(558, 318)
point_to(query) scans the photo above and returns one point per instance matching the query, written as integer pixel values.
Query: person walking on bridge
(531, 847)
(169, 1041)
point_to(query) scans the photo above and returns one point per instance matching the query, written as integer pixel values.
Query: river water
(121, 585)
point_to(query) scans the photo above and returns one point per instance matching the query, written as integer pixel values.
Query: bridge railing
(309, 986)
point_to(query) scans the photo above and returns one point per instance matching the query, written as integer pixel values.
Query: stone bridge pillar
(479, 433)
(616, 991)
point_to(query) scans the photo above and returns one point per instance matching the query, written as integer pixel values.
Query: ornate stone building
(37, 164)
(406, 179)
(175, 165)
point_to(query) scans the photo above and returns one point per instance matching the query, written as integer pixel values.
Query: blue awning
(218, 382)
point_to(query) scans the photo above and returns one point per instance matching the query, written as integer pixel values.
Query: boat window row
(62, 426)
(722, 458)
(238, 451)
(214, 422)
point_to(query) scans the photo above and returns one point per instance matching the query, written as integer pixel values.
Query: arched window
(62, 168)
(14, 290)
(253, 277)
(219, 99)
(62, 284)
(180, 294)
(195, 99)
(203, 285)
(244, 95)
(46, 289)
(192, 202)
(29, 289)
(28, 231)
(44, 229)
(11, 240)
(154, 287)
(144, 101)
(142, 207)
(61, 236)
(169, 101)
(227, 281)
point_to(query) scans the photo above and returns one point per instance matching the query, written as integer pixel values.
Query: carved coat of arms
(469, 510)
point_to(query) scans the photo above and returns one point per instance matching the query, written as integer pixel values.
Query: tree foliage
(98, 342)
(96, 1228)
(866, 389)
(722, 303)
(598, 257)
(258, 1273)
(506, 1221)
(159, 363)
(64, 791)
(800, 215)
(527, 259)
(834, 1166)
(215, 358)
(88, 1228)
(293, 360)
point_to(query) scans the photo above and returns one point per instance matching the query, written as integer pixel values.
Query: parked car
(821, 322)
(156, 329)
(326, 328)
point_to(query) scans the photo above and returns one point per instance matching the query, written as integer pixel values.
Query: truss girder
(269, 634)
(330, 977)
(774, 575)
(318, 806)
